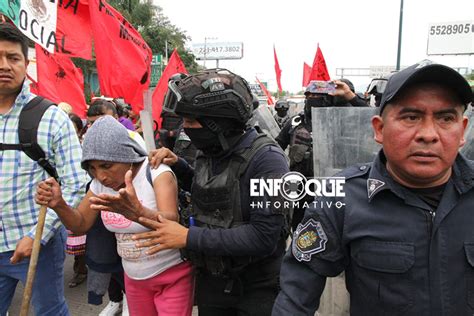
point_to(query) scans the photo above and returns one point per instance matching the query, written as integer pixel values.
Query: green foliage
(87, 67)
(156, 29)
(282, 94)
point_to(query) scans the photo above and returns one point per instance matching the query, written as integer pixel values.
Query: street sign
(156, 69)
(451, 38)
(156, 60)
(212, 51)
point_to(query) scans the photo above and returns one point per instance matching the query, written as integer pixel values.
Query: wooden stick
(25, 304)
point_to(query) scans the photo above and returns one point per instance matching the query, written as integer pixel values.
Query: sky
(350, 33)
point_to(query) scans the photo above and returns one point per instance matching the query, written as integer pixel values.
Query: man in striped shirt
(19, 176)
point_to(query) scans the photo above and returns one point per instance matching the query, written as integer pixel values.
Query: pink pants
(168, 293)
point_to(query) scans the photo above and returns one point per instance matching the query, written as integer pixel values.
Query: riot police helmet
(217, 98)
(282, 105)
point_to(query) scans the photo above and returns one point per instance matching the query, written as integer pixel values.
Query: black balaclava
(215, 143)
(282, 112)
(323, 101)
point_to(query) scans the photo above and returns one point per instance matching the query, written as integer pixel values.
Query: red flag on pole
(268, 94)
(319, 70)
(122, 56)
(306, 74)
(175, 65)
(60, 81)
(277, 70)
(73, 29)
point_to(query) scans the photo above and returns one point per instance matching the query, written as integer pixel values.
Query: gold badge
(307, 239)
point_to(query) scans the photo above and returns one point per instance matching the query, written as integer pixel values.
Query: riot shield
(468, 148)
(342, 136)
(263, 118)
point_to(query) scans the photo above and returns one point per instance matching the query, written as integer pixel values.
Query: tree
(156, 29)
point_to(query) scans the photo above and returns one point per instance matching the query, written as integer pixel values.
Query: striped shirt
(19, 174)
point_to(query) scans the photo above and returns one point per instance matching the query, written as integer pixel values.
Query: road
(76, 297)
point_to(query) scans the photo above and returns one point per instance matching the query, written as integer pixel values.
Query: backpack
(29, 120)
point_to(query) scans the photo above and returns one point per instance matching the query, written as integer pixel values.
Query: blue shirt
(19, 174)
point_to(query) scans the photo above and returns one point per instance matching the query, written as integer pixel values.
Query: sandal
(77, 279)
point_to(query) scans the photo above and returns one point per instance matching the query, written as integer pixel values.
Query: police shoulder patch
(308, 239)
(373, 185)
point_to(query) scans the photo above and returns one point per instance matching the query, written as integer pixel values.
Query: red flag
(175, 65)
(73, 29)
(60, 81)
(277, 70)
(264, 89)
(123, 58)
(306, 74)
(319, 71)
(33, 84)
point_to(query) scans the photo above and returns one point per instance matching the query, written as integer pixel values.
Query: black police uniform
(237, 267)
(281, 121)
(296, 133)
(401, 256)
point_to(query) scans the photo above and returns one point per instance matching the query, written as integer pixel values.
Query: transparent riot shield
(263, 118)
(468, 148)
(343, 137)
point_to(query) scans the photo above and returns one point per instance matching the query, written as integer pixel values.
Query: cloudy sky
(351, 33)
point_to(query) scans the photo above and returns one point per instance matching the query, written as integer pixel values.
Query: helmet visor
(172, 97)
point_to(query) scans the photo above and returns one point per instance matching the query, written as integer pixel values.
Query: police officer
(296, 134)
(281, 116)
(235, 246)
(404, 235)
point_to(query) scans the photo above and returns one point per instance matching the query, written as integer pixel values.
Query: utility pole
(400, 36)
(205, 52)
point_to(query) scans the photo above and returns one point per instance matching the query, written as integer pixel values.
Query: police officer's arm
(259, 237)
(283, 138)
(358, 101)
(294, 298)
(183, 171)
(316, 253)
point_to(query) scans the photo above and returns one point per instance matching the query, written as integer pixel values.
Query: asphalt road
(76, 297)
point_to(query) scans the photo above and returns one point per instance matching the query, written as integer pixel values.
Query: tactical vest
(281, 120)
(216, 203)
(301, 147)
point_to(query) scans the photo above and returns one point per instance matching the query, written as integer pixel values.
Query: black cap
(426, 71)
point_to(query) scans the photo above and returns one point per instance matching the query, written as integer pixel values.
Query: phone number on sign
(220, 49)
(461, 28)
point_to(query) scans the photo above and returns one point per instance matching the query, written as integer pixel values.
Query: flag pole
(25, 304)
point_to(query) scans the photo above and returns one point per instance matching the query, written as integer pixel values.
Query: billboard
(451, 38)
(211, 51)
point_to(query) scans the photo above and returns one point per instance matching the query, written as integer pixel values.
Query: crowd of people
(165, 230)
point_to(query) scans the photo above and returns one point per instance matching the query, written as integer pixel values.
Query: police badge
(309, 239)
